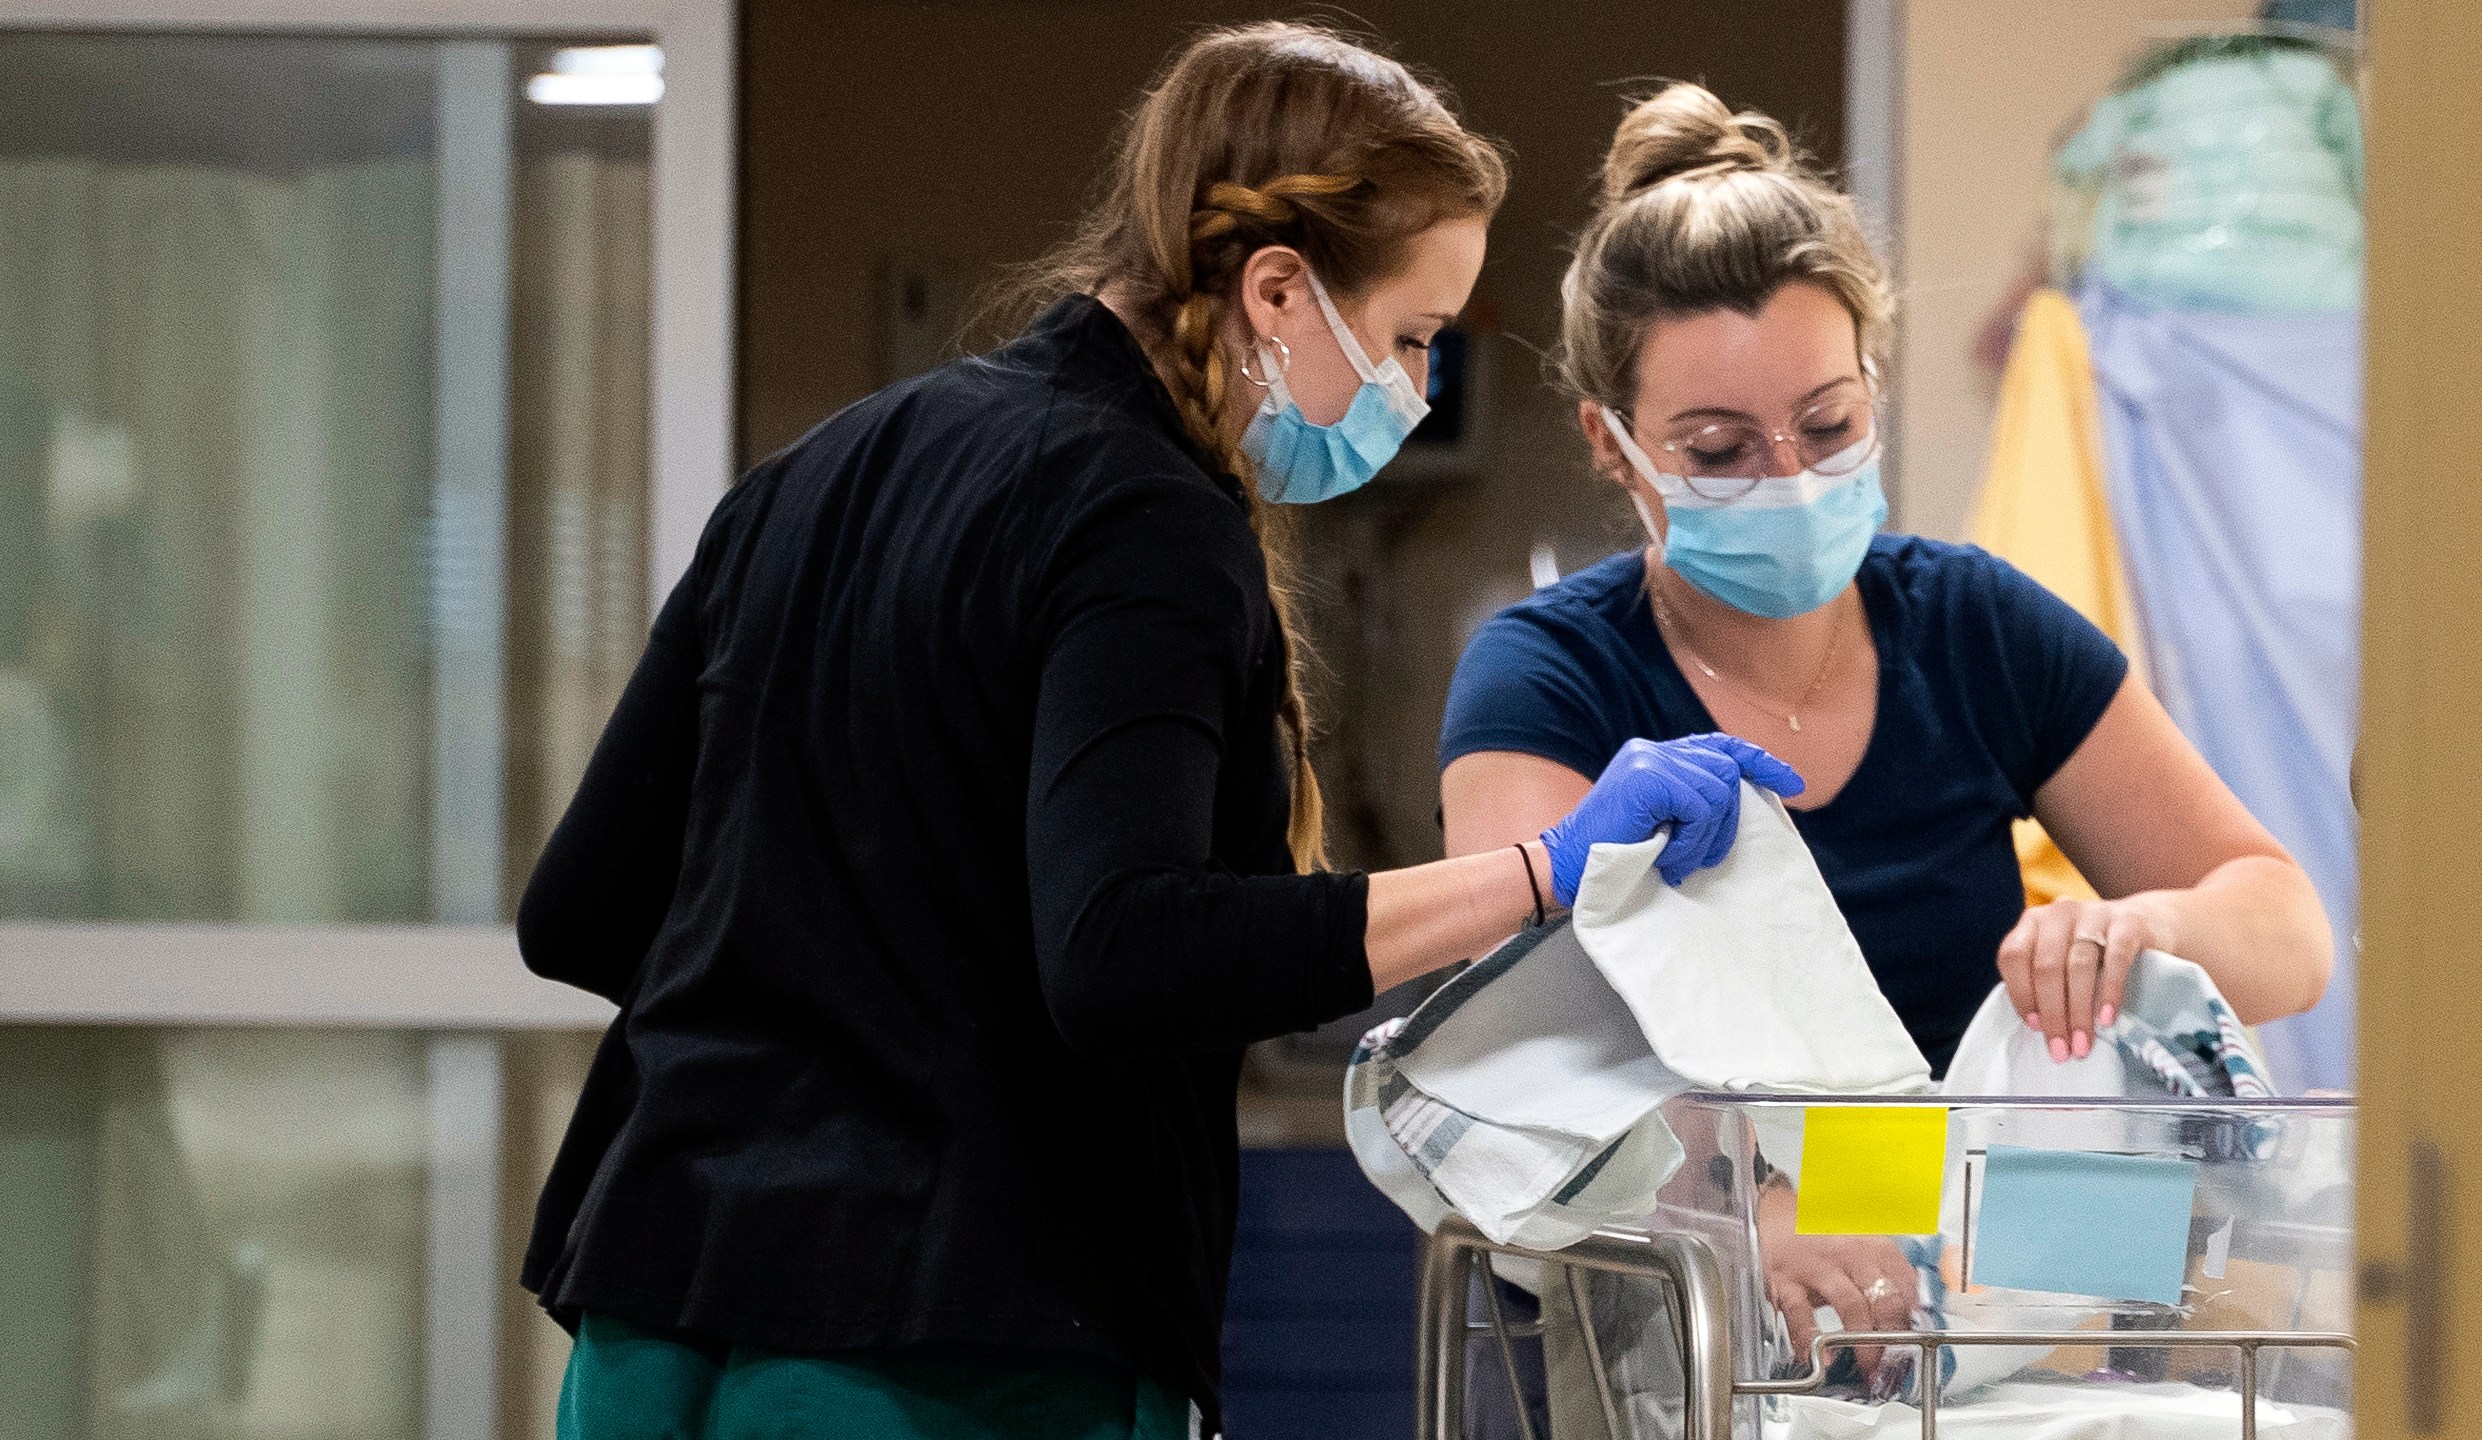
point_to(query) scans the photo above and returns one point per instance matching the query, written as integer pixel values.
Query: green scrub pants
(628, 1383)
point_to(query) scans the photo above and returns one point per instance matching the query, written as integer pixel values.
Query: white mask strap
(1278, 394)
(1345, 338)
(1646, 517)
(1628, 446)
(1645, 469)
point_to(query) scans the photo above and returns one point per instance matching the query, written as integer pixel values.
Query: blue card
(2081, 1223)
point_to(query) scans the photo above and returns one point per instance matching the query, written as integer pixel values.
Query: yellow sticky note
(1871, 1169)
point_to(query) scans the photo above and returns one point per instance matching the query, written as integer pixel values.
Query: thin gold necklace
(1792, 717)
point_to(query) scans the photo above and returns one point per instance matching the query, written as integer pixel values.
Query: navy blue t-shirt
(1987, 684)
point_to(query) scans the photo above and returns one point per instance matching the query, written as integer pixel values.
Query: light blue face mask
(1785, 548)
(1300, 463)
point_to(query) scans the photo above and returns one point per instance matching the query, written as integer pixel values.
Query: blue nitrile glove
(1692, 784)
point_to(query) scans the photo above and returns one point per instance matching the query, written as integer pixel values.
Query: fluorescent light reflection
(595, 89)
(609, 60)
(601, 75)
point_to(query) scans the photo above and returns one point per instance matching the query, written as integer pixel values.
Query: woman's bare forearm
(1426, 916)
(2256, 925)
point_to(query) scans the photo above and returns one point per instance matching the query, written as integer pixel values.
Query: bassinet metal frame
(1700, 1304)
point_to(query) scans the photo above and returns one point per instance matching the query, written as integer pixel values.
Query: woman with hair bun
(1723, 328)
(957, 830)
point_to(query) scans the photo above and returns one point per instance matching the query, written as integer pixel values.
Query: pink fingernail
(2059, 1048)
(2081, 1045)
(2032, 1021)
(2106, 1015)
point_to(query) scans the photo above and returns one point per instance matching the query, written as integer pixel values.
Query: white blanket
(1745, 976)
(1524, 1093)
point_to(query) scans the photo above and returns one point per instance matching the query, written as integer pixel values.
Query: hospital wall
(1987, 91)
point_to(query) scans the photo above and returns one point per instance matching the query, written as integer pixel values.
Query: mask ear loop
(1346, 340)
(1409, 404)
(1645, 468)
(1637, 457)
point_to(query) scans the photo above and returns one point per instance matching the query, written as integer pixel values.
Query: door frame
(114, 973)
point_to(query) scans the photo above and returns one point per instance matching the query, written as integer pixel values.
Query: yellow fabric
(2044, 510)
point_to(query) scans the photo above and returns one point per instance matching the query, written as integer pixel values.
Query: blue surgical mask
(1300, 463)
(1788, 546)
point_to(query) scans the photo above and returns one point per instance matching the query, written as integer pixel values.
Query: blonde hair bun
(1705, 210)
(1682, 131)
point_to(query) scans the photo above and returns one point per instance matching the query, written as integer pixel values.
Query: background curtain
(578, 474)
(214, 649)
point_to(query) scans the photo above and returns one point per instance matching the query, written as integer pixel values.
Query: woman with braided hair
(956, 831)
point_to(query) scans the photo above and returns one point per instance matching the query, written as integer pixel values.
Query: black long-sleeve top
(935, 856)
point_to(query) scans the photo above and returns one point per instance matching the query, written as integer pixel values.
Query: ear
(1275, 290)
(1615, 466)
(1608, 460)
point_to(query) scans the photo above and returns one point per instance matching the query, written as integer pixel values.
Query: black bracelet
(1531, 883)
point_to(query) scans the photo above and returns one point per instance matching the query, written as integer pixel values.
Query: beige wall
(1988, 89)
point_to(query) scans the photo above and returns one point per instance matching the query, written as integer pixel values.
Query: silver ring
(2097, 941)
(1879, 1289)
(1283, 362)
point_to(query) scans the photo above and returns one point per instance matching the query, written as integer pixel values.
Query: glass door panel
(323, 466)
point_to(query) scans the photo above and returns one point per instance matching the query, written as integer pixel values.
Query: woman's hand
(1692, 784)
(1427, 916)
(1865, 1279)
(2067, 965)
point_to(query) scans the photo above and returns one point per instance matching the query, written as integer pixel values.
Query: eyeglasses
(1725, 460)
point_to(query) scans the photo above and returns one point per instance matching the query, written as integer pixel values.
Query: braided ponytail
(1260, 135)
(1200, 376)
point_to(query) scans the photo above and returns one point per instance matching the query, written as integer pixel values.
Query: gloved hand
(1693, 784)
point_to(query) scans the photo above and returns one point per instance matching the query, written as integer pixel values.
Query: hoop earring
(1283, 362)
